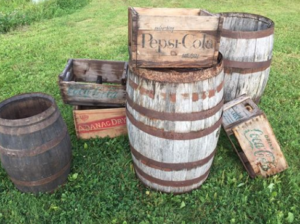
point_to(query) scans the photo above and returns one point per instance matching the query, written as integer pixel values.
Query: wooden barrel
(173, 121)
(246, 44)
(35, 145)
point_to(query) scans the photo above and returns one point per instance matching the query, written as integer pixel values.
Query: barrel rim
(32, 119)
(247, 34)
(179, 75)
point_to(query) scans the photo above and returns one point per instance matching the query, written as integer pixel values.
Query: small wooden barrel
(246, 45)
(34, 142)
(173, 121)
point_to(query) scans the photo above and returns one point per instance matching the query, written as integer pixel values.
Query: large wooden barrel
(34, 142)
(246, 44)
(173, 121)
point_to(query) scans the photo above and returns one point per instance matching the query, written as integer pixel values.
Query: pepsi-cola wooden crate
(173, 37)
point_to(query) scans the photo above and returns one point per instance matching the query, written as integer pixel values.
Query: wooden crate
(161, 37)
(252, 137)
(92, 122)
(94, 82)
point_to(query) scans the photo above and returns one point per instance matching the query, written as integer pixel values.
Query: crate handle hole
(248, 107)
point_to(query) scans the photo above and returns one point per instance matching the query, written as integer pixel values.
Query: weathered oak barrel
(173, 121)
(34, 142)
(246, 45)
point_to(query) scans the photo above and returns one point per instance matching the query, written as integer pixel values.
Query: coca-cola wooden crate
(169, 37)
(92, 122)
(252, 137)
(94, 82)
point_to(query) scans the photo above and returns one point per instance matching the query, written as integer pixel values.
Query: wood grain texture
(166, 11)
(260, 146)
(98, 122)
(246, 39)
(78, 83)
(34, 143)
(237, 111)
(252, 138)
(177, 98)
(173, 38)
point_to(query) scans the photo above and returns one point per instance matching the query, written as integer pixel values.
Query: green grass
(15, 13)
(106, 189)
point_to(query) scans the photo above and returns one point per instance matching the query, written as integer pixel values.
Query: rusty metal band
(245, 71)
(37, 150)
(246, 65)
(170, 166)
(170, 183)
(142, 90)
(42, 181)
(170, 134)
(174, 192)
(193, 116)
(21, 130)
(247, 34)
(150, 93)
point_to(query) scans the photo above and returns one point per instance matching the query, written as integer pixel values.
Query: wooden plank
(238, 111)
(69, 65)
(204, 12)
(235, 102)
(89, 70)
(92, 93)
(167, 11)
(260, 146)
(178, 23)
(92, 123)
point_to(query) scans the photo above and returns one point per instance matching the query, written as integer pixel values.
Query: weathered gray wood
(34, 143)
(172, 97)
(246, 38)
(237, 111)
(79, 93)
(256, 143)
(78, 82)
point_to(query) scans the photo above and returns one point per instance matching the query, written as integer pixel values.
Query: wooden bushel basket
(94, 83)
(176, 38)
(252, 137)
(173, 120)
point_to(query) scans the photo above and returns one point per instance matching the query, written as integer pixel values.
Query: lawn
(102, 186)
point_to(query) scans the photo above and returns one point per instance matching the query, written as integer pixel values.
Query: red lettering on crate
(101, 125)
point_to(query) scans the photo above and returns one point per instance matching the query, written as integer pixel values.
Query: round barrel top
(180, 75)
(239, 34)
(4, 121)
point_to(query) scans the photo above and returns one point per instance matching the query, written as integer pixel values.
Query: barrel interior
(24, 108)
(246, 22)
